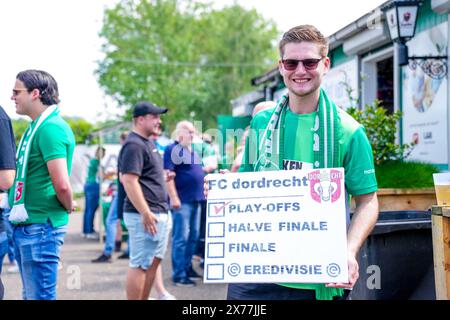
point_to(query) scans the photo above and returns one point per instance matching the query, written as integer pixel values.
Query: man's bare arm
(362, 223)
(7, 178)
(59, 175)
(173, 194)
(136, 196)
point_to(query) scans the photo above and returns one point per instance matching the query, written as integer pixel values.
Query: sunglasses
(308, 64)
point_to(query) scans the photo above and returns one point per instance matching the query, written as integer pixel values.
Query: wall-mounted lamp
(401, 17)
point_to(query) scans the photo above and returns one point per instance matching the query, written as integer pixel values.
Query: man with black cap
(146, 205)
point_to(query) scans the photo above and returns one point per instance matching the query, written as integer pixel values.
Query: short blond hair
(304, 33)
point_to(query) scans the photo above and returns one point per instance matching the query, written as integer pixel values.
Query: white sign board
(276, 226)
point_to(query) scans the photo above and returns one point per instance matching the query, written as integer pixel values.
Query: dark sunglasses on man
(308, 64)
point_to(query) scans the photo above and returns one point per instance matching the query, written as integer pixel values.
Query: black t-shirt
(121, 195)
(7, 144)
(7, 149)
(140, 156)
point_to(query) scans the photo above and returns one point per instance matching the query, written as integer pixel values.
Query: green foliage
(405, 174)
(19, 127)
(81, 129)
(381, 129)
(183, 55)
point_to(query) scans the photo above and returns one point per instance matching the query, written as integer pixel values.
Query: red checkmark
(217, 209)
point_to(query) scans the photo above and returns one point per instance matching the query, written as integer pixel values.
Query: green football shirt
(54, 140)
(355, 152)
(92, 171)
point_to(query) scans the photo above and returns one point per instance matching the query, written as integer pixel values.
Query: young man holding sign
(324, 136)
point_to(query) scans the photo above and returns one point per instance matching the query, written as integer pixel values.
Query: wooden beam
(403, 199)
(441, 251)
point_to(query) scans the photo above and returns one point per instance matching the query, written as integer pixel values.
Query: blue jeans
(3, 247)
(111, 227)
(9, 231)
(37, 248)
(200, 249)
(186, 225)
(3, 252)
(92, 195)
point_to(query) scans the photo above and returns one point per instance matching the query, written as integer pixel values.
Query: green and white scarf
(325, 144)
(325, 150)
(18, 211)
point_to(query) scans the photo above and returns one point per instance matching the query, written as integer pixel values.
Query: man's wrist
(147, 212)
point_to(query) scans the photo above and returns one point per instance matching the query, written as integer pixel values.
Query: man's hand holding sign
(284, 226)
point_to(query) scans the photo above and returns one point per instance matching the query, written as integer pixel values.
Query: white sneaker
(93, 236)
(167, 296)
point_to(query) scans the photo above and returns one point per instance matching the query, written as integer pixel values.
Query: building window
(377, 78)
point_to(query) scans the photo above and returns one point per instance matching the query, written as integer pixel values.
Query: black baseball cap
(143, 108)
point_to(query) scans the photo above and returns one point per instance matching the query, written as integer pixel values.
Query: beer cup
(442, 187)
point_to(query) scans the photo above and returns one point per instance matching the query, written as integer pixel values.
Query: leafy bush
(19, 127)
(80, 127)
(381, 129)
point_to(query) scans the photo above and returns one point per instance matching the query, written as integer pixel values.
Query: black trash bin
(396, 261)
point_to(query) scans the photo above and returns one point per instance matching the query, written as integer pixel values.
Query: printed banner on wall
(425, 100)
(338, 79)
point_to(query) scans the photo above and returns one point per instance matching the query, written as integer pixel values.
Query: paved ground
(79, 279)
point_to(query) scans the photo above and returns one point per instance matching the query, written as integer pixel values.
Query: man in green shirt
(92, 194)
(307, 131)
(42, 197)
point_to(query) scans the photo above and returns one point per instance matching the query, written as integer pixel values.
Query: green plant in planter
(381, 129)
(391, 168)
(405, 174)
